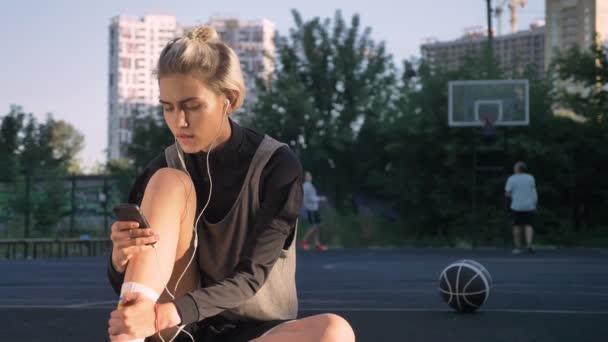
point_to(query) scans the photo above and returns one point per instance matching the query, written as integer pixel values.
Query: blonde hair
(202, 52)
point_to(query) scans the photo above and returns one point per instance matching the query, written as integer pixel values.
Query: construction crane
(513, 9)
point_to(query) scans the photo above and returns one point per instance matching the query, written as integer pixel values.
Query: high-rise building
(136, 44)
(514, 51)
(574, 23)
(134, 47)
(253, 42)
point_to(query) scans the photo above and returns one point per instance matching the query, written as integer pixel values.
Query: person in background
(521, 190)
(311, 203)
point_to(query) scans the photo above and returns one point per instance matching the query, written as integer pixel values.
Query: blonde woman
(222, 205)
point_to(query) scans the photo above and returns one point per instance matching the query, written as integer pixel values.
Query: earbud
(226, 108)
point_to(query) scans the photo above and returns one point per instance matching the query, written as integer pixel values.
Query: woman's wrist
(168, 316)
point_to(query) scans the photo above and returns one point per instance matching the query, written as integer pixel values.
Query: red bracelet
(156, 318)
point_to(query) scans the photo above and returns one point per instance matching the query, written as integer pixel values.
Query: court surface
(387, 295)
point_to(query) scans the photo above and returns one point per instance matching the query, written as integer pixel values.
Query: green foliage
(362, 126)
(43, 153)
(49, 202)
(10, 128)
(150, 137)
(123, 172)
(328, 97)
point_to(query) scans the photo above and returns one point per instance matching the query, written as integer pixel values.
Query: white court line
(345, 309)
(496, 289)
(53, 286)
(359, 309)
(533, 259)
(32, 300)
(38, 306)
(84, 305)
(422, 287)
(330, 266)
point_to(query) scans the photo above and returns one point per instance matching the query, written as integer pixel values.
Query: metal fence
(12, 249)
(76, 206)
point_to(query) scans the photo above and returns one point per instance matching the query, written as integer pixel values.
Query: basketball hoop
(489, 129)
(506, 101)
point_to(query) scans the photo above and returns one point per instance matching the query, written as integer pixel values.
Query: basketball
(465, 285)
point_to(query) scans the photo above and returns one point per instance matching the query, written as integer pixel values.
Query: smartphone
(130, 212)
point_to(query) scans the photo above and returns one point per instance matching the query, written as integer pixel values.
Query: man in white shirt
(311, 204)
(521, 189)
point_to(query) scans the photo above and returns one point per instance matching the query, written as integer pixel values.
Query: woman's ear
(231, 100)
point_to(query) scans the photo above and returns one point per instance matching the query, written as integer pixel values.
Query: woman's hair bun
(203, 34)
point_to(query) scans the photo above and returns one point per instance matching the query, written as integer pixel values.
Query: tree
(327, 98)
(36, 156)
(581, 96)
(65, 142)
(123, 175)
(150, 137)
(10, 128)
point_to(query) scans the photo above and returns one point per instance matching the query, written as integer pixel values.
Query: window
(111, 80)
(131, 48)
(244, 36)
(125, 63)
(124, 123)
(257, 36)
(125, 32)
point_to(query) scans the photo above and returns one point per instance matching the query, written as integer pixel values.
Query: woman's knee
(170, 192)
(172, 185)
(168, 180)
(336, 328)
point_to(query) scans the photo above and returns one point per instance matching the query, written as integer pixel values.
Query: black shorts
(219, 329)
(314, 218)
(523, 218)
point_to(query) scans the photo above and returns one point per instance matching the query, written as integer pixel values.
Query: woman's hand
(127, 241)
(135, 319)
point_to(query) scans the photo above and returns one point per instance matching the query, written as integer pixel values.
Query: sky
(54, 54)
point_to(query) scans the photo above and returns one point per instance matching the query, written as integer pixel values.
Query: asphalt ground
(386, 295)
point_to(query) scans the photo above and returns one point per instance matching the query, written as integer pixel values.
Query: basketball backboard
(479, 102)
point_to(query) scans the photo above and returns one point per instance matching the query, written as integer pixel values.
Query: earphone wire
(194, 228)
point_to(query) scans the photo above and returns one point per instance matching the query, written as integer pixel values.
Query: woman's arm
(281, 199)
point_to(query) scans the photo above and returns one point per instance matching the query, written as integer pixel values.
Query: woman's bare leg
(319, 328)
(169, 205)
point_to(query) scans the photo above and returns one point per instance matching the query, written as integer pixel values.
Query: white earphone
(182, 161)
